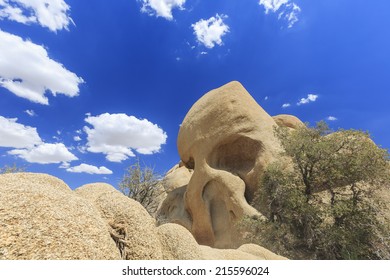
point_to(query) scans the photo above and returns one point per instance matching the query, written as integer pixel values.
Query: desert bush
(323, 204)
(143, 185)
(11, 169)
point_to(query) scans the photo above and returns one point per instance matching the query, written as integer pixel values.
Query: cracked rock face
(226, 140)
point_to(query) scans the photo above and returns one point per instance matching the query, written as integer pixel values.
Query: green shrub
(322, 205)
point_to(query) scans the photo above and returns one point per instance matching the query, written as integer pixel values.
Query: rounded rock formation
(289, 121)
(178, 243)
(226, 254)
(228, 140)
(260, 252)
(131, 226)
(178, 176)
(41, 218)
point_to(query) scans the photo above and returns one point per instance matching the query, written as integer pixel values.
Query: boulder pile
(42, 218)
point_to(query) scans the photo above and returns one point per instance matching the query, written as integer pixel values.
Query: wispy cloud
(210, 32)
(286, 9)
(77, 138)
(272, 5)
(31, 113)
(90, 169)
(331, 118)
(162, 8)
(292, 15)
(27, 71)
(117, 135)
(53, 14)
(64, 165)
(308, 99)
(286, 105)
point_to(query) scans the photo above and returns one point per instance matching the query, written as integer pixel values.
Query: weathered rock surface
(247, 252)
(288, 121)
(178, 176)
(178, 243)
(173, 209)
(260, 252)
(41, 218)
(131, 226)
(227, 139)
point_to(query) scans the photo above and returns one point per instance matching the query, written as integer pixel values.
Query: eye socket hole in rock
(236, 155)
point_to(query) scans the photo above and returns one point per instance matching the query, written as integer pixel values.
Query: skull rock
(228, 140)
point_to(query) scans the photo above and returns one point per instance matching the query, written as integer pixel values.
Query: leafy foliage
(323, 204)
(328, 160)
(143, 185)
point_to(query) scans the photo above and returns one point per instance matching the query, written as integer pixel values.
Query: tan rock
(288, 121)
(228, 140)
(41, 218)
(131, 226)
(177, 177)
(245, 252)
(93, 191)
(260, 252)
(178, 243)
(226, 254)
(173, 210)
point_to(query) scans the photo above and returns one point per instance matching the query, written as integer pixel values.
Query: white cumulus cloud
(28, 145)
(27, 71)
(45, 153)
(90, 169)
(162, 8)
(16, 135)
(286, 105)
(286, 9)
(53, 14)
(117, 135)
(77, 138)
(210, 32)
(308, 99)
(331, 118)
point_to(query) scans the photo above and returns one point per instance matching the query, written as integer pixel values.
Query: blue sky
(88, 86)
